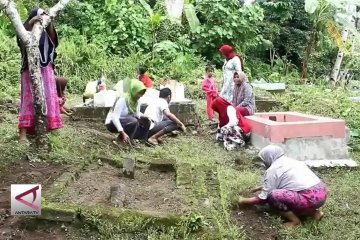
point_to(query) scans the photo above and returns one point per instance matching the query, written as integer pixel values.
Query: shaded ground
(257, 225)
(150, 190)
(23, 172)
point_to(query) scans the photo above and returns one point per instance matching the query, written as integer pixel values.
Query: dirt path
(23, 172)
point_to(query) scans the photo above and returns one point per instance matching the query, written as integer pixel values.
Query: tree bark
(31, 42)
(350, 11)
(32, 51)
(336, 69)
(308, 51)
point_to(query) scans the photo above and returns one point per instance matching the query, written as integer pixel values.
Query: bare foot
(318, 215)
(24, 141)
(291, 224)
(153, 141)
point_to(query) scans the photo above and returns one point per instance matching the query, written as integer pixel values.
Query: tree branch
(58, 7)
(10, 10)
(46, 19)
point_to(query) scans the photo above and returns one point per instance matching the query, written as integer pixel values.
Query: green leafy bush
(9, 66)
(225, 22)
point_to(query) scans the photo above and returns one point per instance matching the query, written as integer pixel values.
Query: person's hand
(35, 19)
(124, 137)
(183, 128)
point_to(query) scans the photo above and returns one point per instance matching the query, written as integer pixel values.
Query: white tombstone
(105, 98)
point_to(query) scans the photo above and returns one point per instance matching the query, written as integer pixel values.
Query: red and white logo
(25, 199)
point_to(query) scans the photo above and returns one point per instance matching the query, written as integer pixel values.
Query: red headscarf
(229, 53)
(220, 106)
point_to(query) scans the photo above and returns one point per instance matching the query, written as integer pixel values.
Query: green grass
(206, 171)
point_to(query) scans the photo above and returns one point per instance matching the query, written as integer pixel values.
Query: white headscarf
(270, 154)
(284, 172)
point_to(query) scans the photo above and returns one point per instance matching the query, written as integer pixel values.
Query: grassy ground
(216, 177)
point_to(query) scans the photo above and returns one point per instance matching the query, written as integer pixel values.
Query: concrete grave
(270, 87)
(318, 141)
(185, 110)
(264, 104)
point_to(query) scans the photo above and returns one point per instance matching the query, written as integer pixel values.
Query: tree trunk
(351, 10)
(32, 51)
(308, 51)
(336, 69)
(31, 42)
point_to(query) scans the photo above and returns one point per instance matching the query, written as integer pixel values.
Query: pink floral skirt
(27, 110)
(301, 203)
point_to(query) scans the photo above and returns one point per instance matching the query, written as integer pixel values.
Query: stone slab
(355, 99)
(270, 87)
(331, 163)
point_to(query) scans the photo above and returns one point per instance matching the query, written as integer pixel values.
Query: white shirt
(229, 68)
(155, 110)
(121, 110)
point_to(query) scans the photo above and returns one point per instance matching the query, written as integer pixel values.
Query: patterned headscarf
(237, 96)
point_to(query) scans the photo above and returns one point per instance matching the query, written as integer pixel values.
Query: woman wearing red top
(144, 78)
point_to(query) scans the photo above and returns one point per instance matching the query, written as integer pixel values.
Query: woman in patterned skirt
(289, 187)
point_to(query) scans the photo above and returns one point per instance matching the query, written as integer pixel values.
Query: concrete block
(355, 99)
(91, 112)
(315, 151)
(303, 137)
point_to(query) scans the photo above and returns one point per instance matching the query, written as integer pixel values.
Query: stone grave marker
(129, 167)
(118, 195)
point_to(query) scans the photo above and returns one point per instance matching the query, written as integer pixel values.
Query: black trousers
(166, 125)
(133, 127)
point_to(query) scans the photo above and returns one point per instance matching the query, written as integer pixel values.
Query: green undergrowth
(210, 177)
(323, 101)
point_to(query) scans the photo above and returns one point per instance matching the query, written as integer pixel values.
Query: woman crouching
(289, 187)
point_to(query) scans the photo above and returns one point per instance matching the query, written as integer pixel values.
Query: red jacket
(146, 80)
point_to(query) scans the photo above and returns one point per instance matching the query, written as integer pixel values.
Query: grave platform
(264, 104)
(319, 141)
(185, 110)
(270, 87)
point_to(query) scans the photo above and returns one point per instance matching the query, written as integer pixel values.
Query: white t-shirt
(155, 110)
(121, 110)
